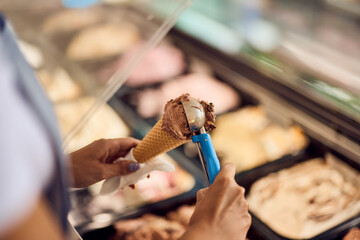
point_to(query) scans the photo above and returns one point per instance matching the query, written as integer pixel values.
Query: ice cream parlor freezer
(275, 97)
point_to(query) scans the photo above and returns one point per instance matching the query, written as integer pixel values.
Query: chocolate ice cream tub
(171, 218)
(108, 231)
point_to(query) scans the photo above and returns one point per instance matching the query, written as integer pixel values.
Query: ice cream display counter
(297, 153)
(263, 134)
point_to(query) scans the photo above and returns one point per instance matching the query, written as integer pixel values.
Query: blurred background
(284, 77)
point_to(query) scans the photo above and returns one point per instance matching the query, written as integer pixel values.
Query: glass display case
(309, 46)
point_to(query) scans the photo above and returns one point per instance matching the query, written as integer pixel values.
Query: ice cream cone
(156, 142)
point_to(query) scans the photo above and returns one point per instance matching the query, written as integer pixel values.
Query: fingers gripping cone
(156, 142)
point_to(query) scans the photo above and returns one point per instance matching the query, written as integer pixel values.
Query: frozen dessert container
(109, 231)
(247, 179)
(167, 211)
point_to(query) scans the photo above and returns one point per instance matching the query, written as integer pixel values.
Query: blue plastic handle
(212, 162)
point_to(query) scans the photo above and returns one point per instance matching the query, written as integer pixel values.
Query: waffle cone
(156, 142)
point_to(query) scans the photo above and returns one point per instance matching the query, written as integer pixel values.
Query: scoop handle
(211, 160)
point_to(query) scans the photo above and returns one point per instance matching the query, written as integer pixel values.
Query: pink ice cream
(160, 64)
(151, 102)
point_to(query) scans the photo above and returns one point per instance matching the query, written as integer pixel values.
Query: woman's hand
(94, 162)
(221, 210)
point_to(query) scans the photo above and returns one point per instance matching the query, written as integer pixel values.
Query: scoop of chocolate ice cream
(174, 119)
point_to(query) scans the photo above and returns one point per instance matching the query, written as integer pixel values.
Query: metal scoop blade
(195, 114)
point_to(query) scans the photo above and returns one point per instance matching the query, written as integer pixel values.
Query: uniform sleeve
(26, 158)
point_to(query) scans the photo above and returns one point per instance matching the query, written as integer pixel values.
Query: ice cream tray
(107, 232)
(247, 178)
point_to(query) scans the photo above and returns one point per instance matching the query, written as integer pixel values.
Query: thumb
(120, 168)
(226, 172)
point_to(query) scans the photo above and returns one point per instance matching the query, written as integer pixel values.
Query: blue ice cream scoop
(196, 118)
